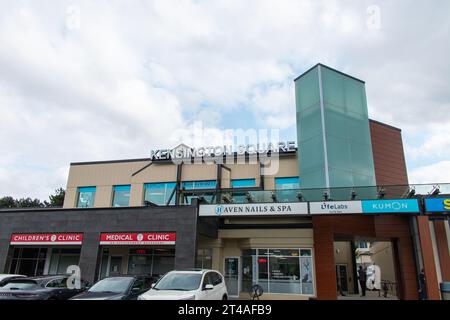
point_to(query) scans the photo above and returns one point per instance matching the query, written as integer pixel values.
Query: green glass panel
(361, 159)
(336, 124)
(310, 123)
(307, 90)
(355, 96)
(333, 88)
(311, 154)
(338, 153)
(340, 178)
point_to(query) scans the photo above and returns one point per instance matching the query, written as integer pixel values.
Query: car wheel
(224, 297)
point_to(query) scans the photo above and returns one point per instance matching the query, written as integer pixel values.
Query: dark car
(117, 288)
(39, 288)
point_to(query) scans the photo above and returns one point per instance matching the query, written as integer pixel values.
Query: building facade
(346, 182)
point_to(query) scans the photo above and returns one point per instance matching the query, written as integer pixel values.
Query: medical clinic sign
(143, 239)
(50, 239)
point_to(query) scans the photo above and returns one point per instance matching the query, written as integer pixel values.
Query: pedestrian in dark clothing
(422, 286)
(362, 277)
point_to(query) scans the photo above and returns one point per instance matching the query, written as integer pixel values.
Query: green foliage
(56, 200)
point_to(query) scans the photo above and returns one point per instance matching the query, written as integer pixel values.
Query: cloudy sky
(101, 80)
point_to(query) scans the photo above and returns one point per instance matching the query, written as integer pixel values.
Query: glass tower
(333, 133)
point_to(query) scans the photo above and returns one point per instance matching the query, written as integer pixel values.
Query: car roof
(193, 271)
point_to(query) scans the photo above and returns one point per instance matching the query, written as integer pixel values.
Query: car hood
(98, 296)
(167, 295)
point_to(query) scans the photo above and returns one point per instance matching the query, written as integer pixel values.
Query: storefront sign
(144, 239)
(437, 205)
(390, 206)
(185, 152)
(253, 209)
(335, 207)
(50, 239)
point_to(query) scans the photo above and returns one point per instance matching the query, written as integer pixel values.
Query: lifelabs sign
(149, 238)
(47, 239)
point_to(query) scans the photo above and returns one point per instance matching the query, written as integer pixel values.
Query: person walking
(362, 277)
(422, 286)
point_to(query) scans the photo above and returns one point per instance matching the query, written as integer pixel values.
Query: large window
(28, 261)
(287, 271)
(61, 259)
(86, 197)
(287, 183)
(243, 183)
(198, 185)
(154, 262)
(204, 259)
(286, 189)
(160, 193)
(121, 196)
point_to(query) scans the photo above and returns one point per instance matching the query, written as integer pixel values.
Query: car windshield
(179, 281)
(20, 285)
(115, 285)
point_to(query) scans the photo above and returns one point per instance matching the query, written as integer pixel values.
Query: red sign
(46, 239)
(143, 239)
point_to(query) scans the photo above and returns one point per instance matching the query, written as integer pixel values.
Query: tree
(8, 202)
(57, 199)
(29, 203)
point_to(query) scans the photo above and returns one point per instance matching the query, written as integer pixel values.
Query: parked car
(116, 288)
(192, 284)
(5, 278)
(39, 288)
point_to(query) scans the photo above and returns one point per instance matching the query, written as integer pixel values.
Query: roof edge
(332, 69)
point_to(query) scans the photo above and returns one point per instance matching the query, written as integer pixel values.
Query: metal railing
(253, 195)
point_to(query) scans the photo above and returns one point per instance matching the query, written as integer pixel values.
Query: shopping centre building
(287, 216)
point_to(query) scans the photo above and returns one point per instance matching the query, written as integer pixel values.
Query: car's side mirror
(209, 287)
(152, 285)
(135, 290)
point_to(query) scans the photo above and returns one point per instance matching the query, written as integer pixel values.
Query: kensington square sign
(254, 209)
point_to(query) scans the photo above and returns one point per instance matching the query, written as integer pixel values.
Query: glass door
(232, 275)
(342, 278)
(115, 266)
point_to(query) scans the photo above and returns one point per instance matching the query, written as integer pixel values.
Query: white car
(4, 278)
(193, 284)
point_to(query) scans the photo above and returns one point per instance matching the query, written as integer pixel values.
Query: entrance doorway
(366, 266)
(342, 278)
(115, 266)
(232, 275)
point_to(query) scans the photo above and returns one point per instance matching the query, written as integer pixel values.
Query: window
(28, 261)
(198, 185)
(61, 259)
(160, 193)
(243, 183)
(287, 271)
(204, 259)
(287, 183)
(121, 196)
(86, 197)
(57, 283)
(153, 262)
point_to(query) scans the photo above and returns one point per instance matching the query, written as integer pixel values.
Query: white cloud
(108, 80)
(438, 172)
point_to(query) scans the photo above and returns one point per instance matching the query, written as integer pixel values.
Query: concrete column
(443, 249)
(324, 258)
(428, 258)
(88, 256)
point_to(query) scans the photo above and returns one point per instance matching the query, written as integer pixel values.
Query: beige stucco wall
(106, 175)
(382, 257)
